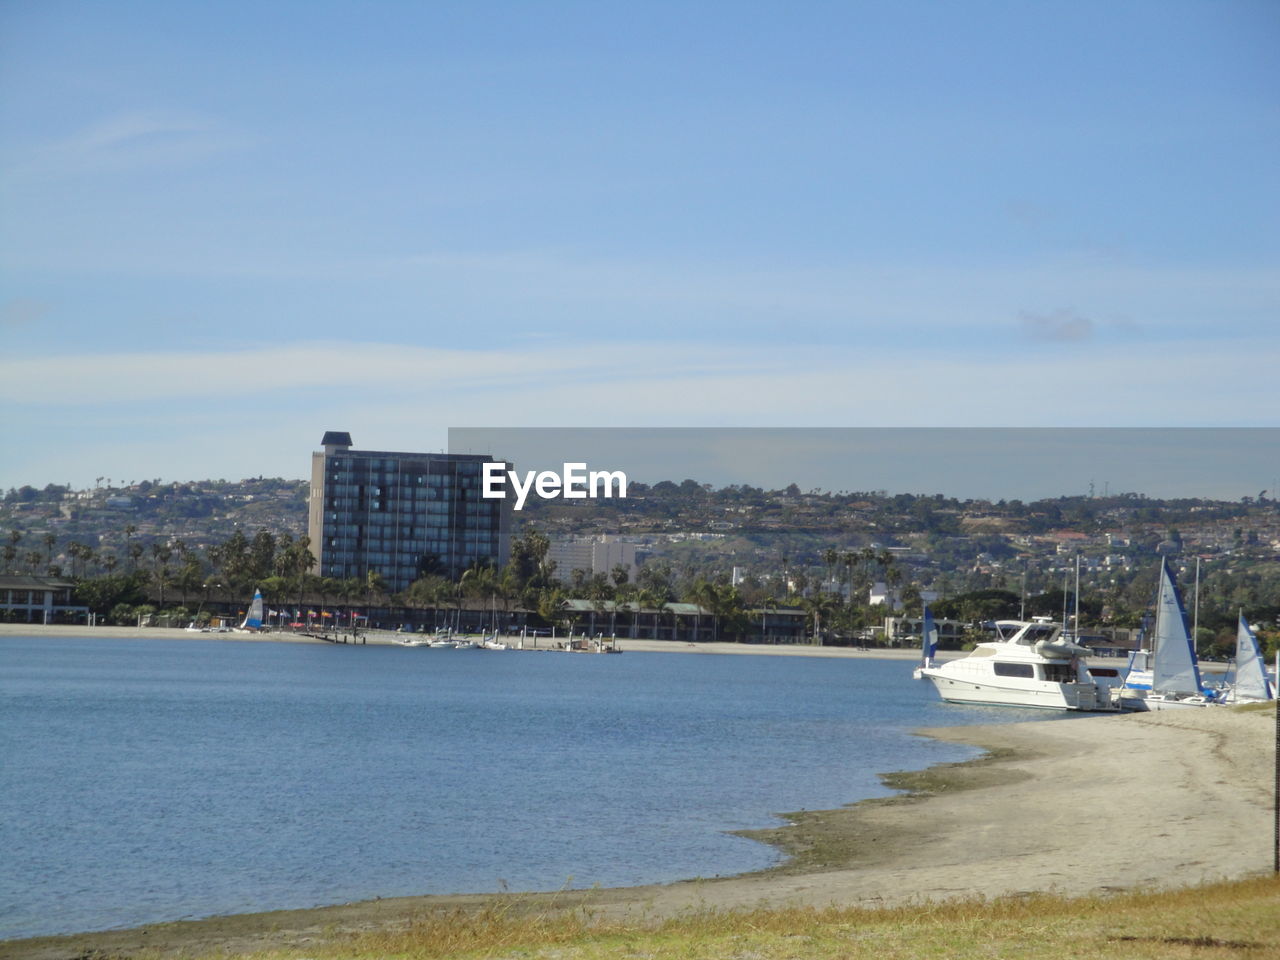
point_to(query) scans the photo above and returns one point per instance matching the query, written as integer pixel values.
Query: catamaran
(1252, 684)
(1168, 677)
(253, 619)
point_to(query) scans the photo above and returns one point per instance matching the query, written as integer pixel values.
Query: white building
(882, 594)
(599, 555)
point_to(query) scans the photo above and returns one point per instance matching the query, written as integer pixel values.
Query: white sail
(253, 619)
(1251, 671)
(1174, 669)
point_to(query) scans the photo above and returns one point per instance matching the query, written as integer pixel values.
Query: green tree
(552, 604)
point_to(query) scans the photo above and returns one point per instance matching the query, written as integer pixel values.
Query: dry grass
(1239, 919)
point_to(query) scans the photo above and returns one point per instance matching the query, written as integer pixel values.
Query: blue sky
(226, 228)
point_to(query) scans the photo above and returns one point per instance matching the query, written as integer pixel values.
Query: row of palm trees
(281, 567)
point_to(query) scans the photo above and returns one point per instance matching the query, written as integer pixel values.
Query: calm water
(150, 780)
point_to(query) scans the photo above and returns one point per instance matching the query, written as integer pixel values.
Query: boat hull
(1140, 704)
(1044, 694)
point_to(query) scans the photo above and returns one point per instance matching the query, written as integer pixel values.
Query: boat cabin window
(1059, 673)
(1041, 631)
(1014, 670)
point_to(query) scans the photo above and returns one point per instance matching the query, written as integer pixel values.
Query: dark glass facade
(405, 515)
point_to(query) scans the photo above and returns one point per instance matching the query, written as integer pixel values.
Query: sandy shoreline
(1102, 803)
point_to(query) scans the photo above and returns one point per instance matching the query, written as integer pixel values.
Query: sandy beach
(1105, 803)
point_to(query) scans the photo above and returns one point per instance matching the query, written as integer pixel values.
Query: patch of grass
(1240, 919)
(1261, 706)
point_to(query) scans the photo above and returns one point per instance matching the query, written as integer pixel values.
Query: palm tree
(326, 587)
(375, 585)
(479, 583)
(830, 557)
(189, 578)
(129, 531)
(850, 559)
(164, 578)
(431, 591)
(348, 590)
(11, 549)
(79, 553)
(817, 605)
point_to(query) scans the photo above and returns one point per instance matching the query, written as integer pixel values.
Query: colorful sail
(1175, 669)
(1252, 682)
(253, 619)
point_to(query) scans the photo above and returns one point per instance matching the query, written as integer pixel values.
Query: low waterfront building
(39, 600)
(909, 632)
(688, 622)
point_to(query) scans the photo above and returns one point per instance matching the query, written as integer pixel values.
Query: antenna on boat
(1064, 602)
(1075, 630)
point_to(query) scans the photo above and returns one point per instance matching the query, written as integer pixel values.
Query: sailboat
(1174, 671)
(1252, 683)
(928, 644)
(253, 619)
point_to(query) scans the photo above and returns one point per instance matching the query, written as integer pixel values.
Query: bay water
(150, 780)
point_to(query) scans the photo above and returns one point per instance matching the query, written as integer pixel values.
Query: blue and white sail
(1138, 673)
(1252, 682)
(928, 639)
(928, 643)
(253, 619)
(1174, 669)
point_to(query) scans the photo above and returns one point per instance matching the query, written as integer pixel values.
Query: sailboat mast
(1195, 615)
(1064, 602)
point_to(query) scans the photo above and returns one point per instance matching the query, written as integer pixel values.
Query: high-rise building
(405, 515)
(597, 555)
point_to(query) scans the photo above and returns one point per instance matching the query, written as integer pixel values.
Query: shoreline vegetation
(1082, 836)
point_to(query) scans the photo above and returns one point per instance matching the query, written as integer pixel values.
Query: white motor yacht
(1029, 665)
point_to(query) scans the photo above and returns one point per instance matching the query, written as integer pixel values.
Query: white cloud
(244, 413)
(126, 141)
(1060, 326)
